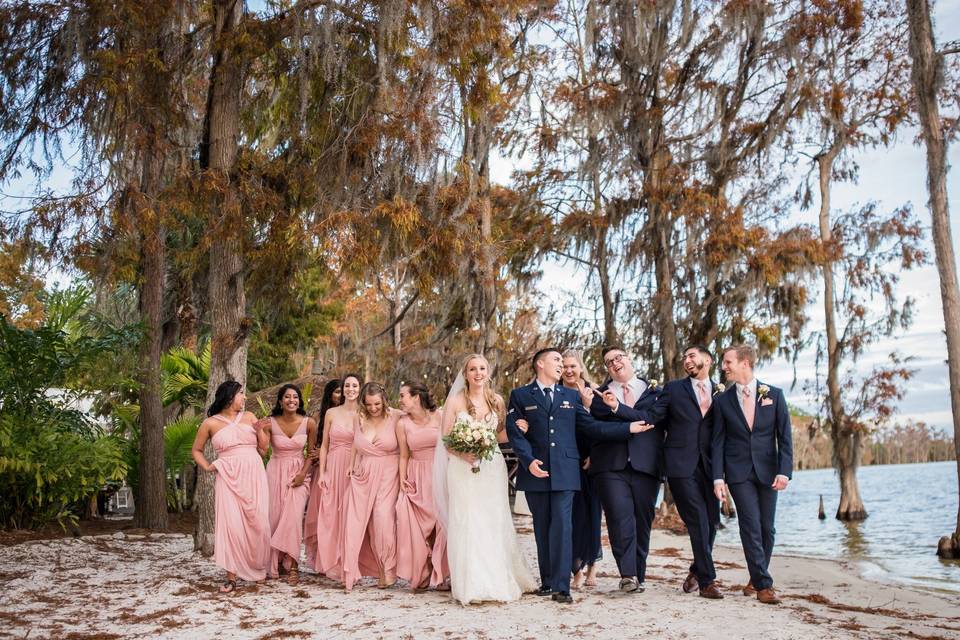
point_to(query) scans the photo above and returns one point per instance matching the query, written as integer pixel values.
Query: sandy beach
(136, 584)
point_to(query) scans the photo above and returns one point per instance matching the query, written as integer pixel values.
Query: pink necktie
(748, 407)
(627, 395)
(704, 397)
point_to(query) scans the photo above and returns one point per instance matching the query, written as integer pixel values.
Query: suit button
(551, 430)
(553, 444)
(551, 417)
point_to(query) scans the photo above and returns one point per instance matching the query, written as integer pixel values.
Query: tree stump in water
(949, 547)
(822, 514)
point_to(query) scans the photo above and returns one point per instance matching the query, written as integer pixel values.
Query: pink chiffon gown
(310, 519)
(333, 490)
(286, 502)
(241, 502)
(370, 518)
(420, 538)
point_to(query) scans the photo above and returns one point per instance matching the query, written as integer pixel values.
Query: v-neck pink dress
(286, 502)
(370, 518)
(241, 502)
(333, 492)
(420, 538)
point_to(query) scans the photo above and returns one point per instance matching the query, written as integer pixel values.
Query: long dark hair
(225, 394)
(278, 407)
(420, 390)
(326, 403)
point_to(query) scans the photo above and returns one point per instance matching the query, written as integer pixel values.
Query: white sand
(135, 586)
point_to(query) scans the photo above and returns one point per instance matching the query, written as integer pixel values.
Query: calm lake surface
(909, 505)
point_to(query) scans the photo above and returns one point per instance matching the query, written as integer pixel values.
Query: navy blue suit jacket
(767, 450)
(551, 436)
(644, 451)
(689, 433)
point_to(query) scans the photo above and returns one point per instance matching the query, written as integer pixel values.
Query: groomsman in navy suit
(685, 407)
(753, 457)
(542, 424)
(628, 469)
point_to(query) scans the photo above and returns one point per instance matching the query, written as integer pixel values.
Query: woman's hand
(586, 396)
(610, 400)
(297, 480)
(523, 425)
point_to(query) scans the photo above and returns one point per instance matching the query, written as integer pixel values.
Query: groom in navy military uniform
(542, 422)
(753, 456)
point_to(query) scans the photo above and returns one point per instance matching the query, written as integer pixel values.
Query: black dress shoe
(563, 596)
(543, 591)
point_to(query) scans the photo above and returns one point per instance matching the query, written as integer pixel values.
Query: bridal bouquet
(471, 436)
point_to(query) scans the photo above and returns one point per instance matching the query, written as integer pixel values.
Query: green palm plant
(178, 437)
(184, 376)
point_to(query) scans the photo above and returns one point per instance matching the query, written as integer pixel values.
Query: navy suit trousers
(553, 530)
(629, 500)
(756, 504)
(700, 511)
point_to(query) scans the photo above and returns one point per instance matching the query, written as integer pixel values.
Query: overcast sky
(891, 177)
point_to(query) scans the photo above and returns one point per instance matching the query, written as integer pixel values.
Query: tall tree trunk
(663, 300)
(847, 443)
(927, 76)
(602, 251)
(226, 298)
(151, 506)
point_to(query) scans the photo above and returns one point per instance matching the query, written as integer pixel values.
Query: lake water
(909, 505)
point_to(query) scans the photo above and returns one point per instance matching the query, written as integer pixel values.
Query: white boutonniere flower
(720, 388)
(653, 383)
(762, 391)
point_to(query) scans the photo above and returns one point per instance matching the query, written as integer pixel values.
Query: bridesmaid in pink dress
(289, 429)
(241, 496)
(333, 470)
(421, 543)
(370, 519)
(332, 397)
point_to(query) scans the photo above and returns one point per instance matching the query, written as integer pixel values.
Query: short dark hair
(699, 347)
(278, 407)
(539, 354)
(611, 347)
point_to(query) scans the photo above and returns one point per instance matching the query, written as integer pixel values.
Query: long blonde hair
(584, 374)
(494, 402)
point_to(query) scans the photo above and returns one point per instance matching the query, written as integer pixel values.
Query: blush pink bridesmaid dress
(310, 519)
(421, 542)
(241, 502)
(286, 502)
(370, 518)
(333, 490)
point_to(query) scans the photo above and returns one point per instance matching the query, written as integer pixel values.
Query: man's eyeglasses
(615, 359)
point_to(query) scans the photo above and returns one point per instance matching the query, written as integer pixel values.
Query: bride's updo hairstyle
(372, 389)
(494, 403)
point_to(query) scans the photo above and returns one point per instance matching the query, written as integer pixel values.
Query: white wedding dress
(482, 550)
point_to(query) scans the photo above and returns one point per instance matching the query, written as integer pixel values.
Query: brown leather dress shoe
(768, 596)
(711, 591)
(690, 583)
(749, 590)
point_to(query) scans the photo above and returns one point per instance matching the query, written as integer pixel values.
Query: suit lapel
(734, 398)
(539, 397)
(692, 393)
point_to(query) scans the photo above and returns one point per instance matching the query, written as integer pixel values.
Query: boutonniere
(762, 391)
(720, 388)
(652, 383)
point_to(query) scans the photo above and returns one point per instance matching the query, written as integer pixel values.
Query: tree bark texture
(927, 76)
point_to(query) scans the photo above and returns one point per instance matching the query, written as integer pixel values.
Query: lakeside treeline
(899, 443)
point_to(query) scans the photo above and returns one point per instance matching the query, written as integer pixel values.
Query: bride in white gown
(482, 550)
